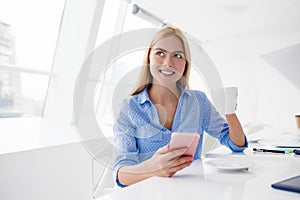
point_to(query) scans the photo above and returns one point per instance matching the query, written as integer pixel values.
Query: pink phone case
(185, 139)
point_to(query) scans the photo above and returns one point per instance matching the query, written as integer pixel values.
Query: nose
(168, 60)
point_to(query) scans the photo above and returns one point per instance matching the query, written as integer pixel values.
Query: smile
(166, 72)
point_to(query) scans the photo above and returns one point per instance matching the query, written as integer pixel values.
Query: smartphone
(185, 139)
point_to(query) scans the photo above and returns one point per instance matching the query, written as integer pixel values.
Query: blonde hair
(145, 79)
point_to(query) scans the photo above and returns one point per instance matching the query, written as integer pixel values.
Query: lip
(166, 72)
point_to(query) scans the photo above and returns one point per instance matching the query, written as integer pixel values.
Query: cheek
(181, 65)
(153, 71)
(154, 60)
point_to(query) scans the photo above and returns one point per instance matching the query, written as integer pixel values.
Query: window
(28, 35)
(123, 68)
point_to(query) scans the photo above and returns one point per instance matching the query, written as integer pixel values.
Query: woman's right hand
(163, 163)
(166, 163)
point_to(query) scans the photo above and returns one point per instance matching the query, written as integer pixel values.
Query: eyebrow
(179, 51)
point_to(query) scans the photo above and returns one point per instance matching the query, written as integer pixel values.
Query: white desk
(22, 134)
(204, 181)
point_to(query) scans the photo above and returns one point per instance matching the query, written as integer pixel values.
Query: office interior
(253, 45)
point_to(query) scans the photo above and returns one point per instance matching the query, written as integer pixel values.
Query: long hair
(145, 79)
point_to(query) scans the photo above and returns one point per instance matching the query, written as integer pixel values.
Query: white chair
(209, 144)
(104, 183)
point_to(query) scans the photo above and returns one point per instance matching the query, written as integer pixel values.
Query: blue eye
(178, 55)
(160, 53)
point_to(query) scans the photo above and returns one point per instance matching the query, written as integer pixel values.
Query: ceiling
(232, 29)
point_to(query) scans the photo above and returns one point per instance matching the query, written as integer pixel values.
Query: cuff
(236, 148)
(115, 175)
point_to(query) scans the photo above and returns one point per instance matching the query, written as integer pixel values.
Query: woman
(160, 105)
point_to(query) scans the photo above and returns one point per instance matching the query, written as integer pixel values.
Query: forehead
(170, 43)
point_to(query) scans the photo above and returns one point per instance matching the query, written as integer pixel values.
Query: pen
(288, 146)
(297, 151)
(268, 150)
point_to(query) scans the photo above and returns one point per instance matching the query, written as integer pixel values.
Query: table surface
(22, 134)
(204, 180)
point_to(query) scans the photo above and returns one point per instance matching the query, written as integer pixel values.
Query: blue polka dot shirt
(138, 133)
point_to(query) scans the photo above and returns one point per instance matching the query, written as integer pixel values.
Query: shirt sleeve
(215, 125)
(125, 143)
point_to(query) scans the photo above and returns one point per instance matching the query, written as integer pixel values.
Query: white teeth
(167, 72)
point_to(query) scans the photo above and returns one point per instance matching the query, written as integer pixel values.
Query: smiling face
(167, 60)
(169, 40)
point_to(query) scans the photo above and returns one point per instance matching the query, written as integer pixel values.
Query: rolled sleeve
(122, 160)
(225, 140)
(115, 175)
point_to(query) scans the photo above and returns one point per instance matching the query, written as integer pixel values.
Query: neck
(163, 94)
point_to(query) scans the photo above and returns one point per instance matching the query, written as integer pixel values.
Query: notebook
(291, 184)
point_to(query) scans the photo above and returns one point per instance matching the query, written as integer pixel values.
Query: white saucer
(233, 167)
(230, 164)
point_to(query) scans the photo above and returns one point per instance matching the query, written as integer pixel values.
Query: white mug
(231, 94)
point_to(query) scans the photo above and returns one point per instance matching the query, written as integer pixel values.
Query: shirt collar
(184, 91)
(143, 96)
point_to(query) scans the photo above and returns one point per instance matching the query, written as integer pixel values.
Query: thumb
(163, 150)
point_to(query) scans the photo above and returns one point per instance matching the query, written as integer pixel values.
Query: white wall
(265, 95)
(236, 34)
(279, 99)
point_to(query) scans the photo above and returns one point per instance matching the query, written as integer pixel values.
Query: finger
(175, 153)
(164, 149)
(181, 160)
(178, 161)
(177, 168)
(171, 172)
(175, 165)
